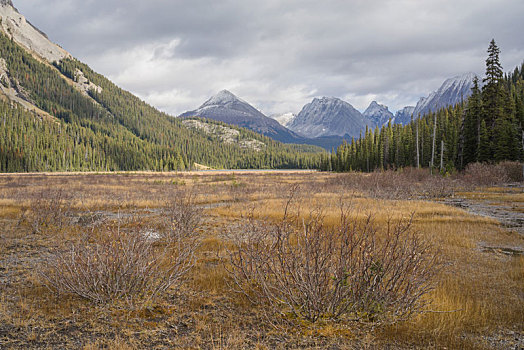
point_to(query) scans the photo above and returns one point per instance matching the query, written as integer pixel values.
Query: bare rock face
(84, 85)
(452, 91)
(329, 116)
(378, 114)
(15, 26)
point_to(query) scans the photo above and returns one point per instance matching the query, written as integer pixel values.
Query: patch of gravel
(504, 339)
(508, 218)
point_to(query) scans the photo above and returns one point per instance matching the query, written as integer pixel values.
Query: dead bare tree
(433, 145)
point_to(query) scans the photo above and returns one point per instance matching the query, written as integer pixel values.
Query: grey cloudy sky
(279, 54)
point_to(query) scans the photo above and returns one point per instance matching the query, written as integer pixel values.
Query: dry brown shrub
(407, 183)
(485, 174)
(119, 266)
(353, 271)
(48, 211)
(183, 217)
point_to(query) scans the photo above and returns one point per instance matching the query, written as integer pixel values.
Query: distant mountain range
(228, 108)
(327, 121)
(284, 119)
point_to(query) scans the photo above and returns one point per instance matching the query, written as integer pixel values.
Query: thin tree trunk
(434, 140)
(441, 155)
(478, 138)
(418, 151)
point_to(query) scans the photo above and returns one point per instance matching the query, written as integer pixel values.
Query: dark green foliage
(472, 119)
(493, 90)
(487, 127)
(485, 152)
(112, 129)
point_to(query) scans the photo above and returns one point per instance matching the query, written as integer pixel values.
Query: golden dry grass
(478, 292)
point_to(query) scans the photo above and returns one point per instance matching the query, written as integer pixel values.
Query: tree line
(487, 127)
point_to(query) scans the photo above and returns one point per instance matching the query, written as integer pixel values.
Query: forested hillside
(110, 129)
(488, 127)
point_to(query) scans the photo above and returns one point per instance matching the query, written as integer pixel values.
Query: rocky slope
(378, 114)
(228, 108)
(452, 91)
(15, 26)
(403, 116)
(329, 116)
(225, 134)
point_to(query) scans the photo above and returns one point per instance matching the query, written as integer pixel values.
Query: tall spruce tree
(492, 97)
(499, 111)
(492, 94)
(472, 120)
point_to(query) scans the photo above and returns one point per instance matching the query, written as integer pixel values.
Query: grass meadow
(476, 300)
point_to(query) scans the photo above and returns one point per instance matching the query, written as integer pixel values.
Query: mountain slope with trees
(109, 128)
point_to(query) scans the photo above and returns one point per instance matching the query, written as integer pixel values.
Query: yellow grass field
(477, 302)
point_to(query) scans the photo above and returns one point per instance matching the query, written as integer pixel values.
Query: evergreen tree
(492, 92)
(484, 149)
(471, 129)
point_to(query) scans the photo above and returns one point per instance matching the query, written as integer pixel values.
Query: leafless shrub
(484, 174)
(407, 183)
(118, 266)
(48, 210)
(514, 171)
(350, 271)
(183, 217)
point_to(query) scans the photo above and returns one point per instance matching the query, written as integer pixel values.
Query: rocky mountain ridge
(378, 114)
(16, 27)
(228, 108)
(328, 116)
(454, 90)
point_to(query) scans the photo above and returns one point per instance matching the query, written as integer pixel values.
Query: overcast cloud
(279, 54)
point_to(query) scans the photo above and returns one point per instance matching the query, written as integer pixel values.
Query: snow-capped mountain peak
(222, 98)
(227, 108)
(378, 113)
(452, 91)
